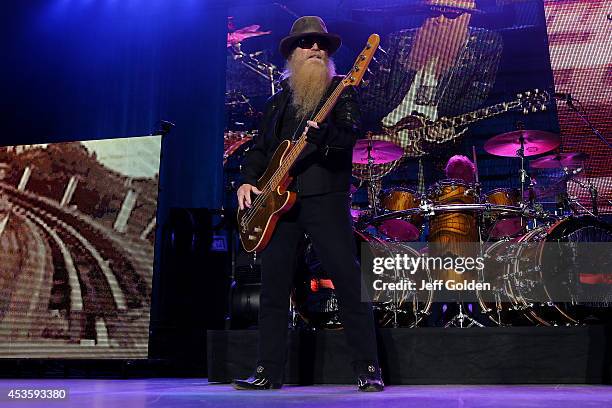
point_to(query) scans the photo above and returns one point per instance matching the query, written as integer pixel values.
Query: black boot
(258, 381)
(370, 379)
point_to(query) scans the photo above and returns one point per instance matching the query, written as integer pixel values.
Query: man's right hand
(244, 195)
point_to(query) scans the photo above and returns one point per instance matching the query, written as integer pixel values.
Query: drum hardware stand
(592, 191)
(523, 174)
(460, 317)
(427, 208)
(264, 69)
(478, 191)
(498, 309)
(394, 310)
(293, 314)
(418, 313)
(574, 200)
(394, 302)
(373, 186)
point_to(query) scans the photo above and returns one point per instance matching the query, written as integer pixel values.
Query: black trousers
(326, 219)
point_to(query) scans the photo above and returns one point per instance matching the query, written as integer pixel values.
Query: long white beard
(308, 81)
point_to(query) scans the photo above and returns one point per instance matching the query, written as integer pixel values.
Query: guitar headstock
(534, 100)
(355, 75)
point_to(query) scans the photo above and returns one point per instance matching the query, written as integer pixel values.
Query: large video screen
(77, 231)
(581, 57)
(487, 67)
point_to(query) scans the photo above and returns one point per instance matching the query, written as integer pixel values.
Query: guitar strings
(282, 170)
(280, 173)
(258, 200)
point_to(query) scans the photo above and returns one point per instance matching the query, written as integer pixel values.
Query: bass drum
(314, 295)
(495, 302)
(558, 274)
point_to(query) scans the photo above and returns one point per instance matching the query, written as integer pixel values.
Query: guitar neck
(352, 78)
(297, 149)
(484, 113)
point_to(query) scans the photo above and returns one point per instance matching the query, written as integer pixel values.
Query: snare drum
(405, 228)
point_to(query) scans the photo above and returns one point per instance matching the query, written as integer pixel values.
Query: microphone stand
(570, 103)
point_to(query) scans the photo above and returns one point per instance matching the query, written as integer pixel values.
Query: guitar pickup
(252, 237)
(257, 230)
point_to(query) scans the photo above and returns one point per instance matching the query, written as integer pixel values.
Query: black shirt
(292, 126)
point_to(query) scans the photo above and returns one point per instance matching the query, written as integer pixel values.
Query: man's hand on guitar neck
(244, 195)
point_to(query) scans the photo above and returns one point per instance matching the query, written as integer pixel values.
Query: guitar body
(256, 224)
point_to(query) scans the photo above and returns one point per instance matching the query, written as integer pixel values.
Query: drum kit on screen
(509, 227)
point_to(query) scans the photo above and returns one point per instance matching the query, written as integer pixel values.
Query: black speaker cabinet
(190, 291)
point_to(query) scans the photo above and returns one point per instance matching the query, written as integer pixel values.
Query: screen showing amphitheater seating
(581, 59)
(77, 231)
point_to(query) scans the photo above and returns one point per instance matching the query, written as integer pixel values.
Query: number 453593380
(13, 394)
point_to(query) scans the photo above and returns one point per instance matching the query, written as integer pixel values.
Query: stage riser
(526, 355)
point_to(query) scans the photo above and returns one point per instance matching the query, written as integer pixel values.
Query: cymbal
(381, 151)
(535, 142)
(242, 34)
(560, 160)
(554, 185)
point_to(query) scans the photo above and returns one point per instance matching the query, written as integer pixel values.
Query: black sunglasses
(451, 15)
(307, 42)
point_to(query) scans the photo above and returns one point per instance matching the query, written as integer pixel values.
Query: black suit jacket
(322, 169)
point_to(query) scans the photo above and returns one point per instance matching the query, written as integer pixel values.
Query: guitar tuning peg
(375, 60)
(365, 83)
(369, 71)
(382, 50)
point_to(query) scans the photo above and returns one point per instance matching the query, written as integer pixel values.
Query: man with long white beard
(321, 179)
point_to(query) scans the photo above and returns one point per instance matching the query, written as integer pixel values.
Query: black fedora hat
(306, 26)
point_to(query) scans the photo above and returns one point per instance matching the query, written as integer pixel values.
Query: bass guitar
(256, 224)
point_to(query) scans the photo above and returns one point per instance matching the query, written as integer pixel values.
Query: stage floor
(187, 393)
